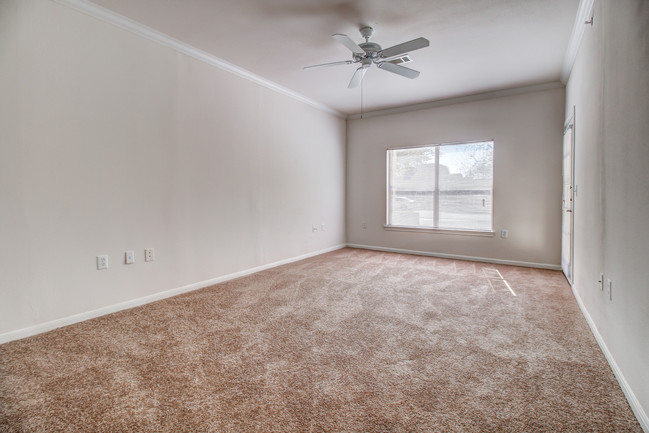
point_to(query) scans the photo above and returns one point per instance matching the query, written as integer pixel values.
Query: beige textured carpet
(350, 341)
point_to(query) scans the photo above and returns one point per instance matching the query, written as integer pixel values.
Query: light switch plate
(609, 289)
(129, 257)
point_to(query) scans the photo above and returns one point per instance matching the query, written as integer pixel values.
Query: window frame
(463, 232)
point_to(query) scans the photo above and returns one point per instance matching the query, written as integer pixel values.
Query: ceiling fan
(368, 53)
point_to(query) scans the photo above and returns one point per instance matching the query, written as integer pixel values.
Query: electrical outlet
(314, 228)
(102, 262)
(129, 257)
(364, 224)
(609, 289)
(149, 255)
(504, 234)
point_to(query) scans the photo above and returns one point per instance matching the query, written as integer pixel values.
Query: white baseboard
(637, 409)
(64, 321)
(459, 257)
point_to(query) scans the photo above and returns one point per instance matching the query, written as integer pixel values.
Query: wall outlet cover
(102, 261)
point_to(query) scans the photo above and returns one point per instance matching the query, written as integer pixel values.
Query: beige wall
(110, 142)
(527, 130)
(609, 88)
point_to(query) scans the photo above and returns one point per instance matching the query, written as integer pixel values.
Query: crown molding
(584, 13)
(461, 99)
(103, 14)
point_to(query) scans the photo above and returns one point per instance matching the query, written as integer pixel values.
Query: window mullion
(436, 190)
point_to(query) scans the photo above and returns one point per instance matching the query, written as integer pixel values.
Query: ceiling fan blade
(358, 77)
(344, 62)
(405, 47)
(346, 41)
(399, 70)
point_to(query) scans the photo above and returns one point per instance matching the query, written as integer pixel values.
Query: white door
(567, 200)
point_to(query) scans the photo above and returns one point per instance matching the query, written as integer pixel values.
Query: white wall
(609, 86)
(111, 142)
(527, 130)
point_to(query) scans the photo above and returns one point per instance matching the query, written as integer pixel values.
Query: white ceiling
(475, 45)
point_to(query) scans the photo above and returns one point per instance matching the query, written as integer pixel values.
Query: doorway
(567, 206)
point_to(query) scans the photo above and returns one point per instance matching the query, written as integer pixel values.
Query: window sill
(441, 231)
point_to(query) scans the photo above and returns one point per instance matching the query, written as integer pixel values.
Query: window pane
(411, 187)
(465, 186)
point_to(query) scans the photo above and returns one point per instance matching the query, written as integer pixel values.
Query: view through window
(447, 186)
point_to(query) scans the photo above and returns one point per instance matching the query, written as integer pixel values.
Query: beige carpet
(350, 341)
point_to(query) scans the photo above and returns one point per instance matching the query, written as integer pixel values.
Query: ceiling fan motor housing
(371, 50)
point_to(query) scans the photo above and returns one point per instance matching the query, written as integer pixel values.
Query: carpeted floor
(349, 341)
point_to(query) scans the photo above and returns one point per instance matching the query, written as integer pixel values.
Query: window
(443, 187)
